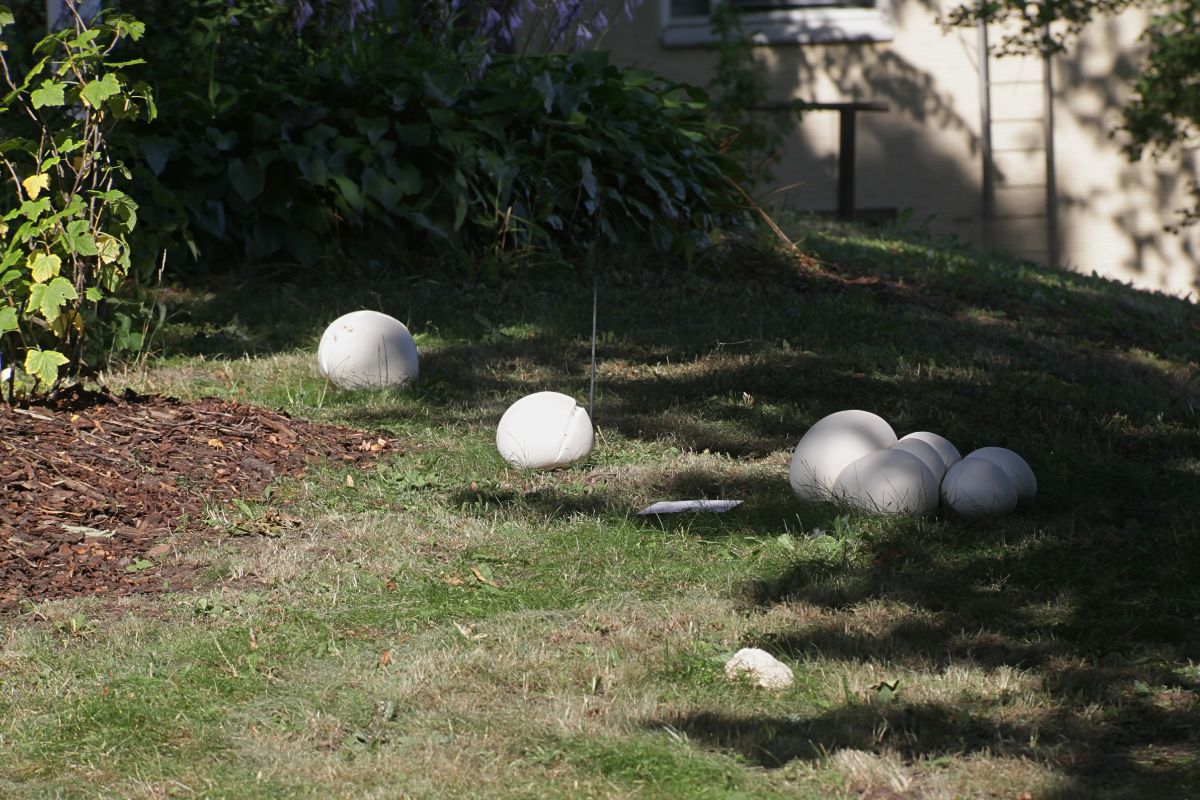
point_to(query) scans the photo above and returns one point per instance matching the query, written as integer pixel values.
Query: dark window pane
(689, 8)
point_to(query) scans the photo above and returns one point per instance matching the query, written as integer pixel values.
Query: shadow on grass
(768, 507)
(1134, 753)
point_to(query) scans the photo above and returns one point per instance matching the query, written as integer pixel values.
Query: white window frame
(790, 26)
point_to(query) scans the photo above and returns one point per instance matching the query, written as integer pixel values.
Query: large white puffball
(941, 444)
(891, 481)
(1015, 467)
(543, 431)
(830, 446)
(366, 349)
(975, 487)
(929, 457)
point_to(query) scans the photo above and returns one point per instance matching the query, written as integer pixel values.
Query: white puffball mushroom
(941, 444)
(832, 444)
(544, 430)
(976, 487)
(929, 457)
(1015, 467)
(762, 668)
(367, 349)
(890, 481)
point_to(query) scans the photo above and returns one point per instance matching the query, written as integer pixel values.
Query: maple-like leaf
(36, 184)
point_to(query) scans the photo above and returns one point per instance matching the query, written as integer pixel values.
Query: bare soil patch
(92, 483)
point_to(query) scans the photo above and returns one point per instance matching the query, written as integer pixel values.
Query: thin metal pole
(1048, 134)
(985, 138)
(592, 384)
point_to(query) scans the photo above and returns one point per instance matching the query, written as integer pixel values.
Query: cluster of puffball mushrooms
(851, 457)
(854, 457)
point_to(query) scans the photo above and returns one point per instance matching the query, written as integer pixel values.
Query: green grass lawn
(449, 627)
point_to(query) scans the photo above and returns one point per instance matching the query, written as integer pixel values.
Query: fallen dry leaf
(481, 577)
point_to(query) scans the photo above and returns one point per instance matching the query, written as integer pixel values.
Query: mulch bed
(91, 484)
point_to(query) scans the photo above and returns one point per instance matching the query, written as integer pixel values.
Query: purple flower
(491, 22)
(568, 11)
(304, 12)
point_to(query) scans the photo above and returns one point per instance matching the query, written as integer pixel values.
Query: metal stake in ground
(592, 382)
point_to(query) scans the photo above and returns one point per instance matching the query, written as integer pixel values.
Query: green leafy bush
(280, 143)
(64, 219)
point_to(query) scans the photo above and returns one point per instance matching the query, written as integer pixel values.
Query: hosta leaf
(99, 90)
(50, 94)
(44, 364)
(246, 178)
(350, 192)
(43, 267)
(36, 184)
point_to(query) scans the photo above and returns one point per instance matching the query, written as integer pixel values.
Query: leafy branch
(64, 222)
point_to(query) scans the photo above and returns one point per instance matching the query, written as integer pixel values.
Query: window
(783, 21)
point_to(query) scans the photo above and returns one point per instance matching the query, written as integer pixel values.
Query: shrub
(286, 141)
(65, 220)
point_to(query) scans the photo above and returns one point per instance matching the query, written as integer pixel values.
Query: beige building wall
(925, 152)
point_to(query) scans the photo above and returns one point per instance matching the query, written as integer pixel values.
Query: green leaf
(82, 243)
(246, 178)
(381, 189)
(413, 135)
(408, 179)
(50, 94)
(49, 298)
(350, 192)
(122, 64)
(545, 86)
(8, 319)
(372, 127)
(33, 209)
(157, 151)
(99, 90)
(108, 248)
(43, 267)
(6, 17)
(93, 294)
(44, 364)
(315, 170)
(588, 178)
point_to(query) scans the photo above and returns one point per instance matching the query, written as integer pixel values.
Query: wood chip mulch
(91, 484)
